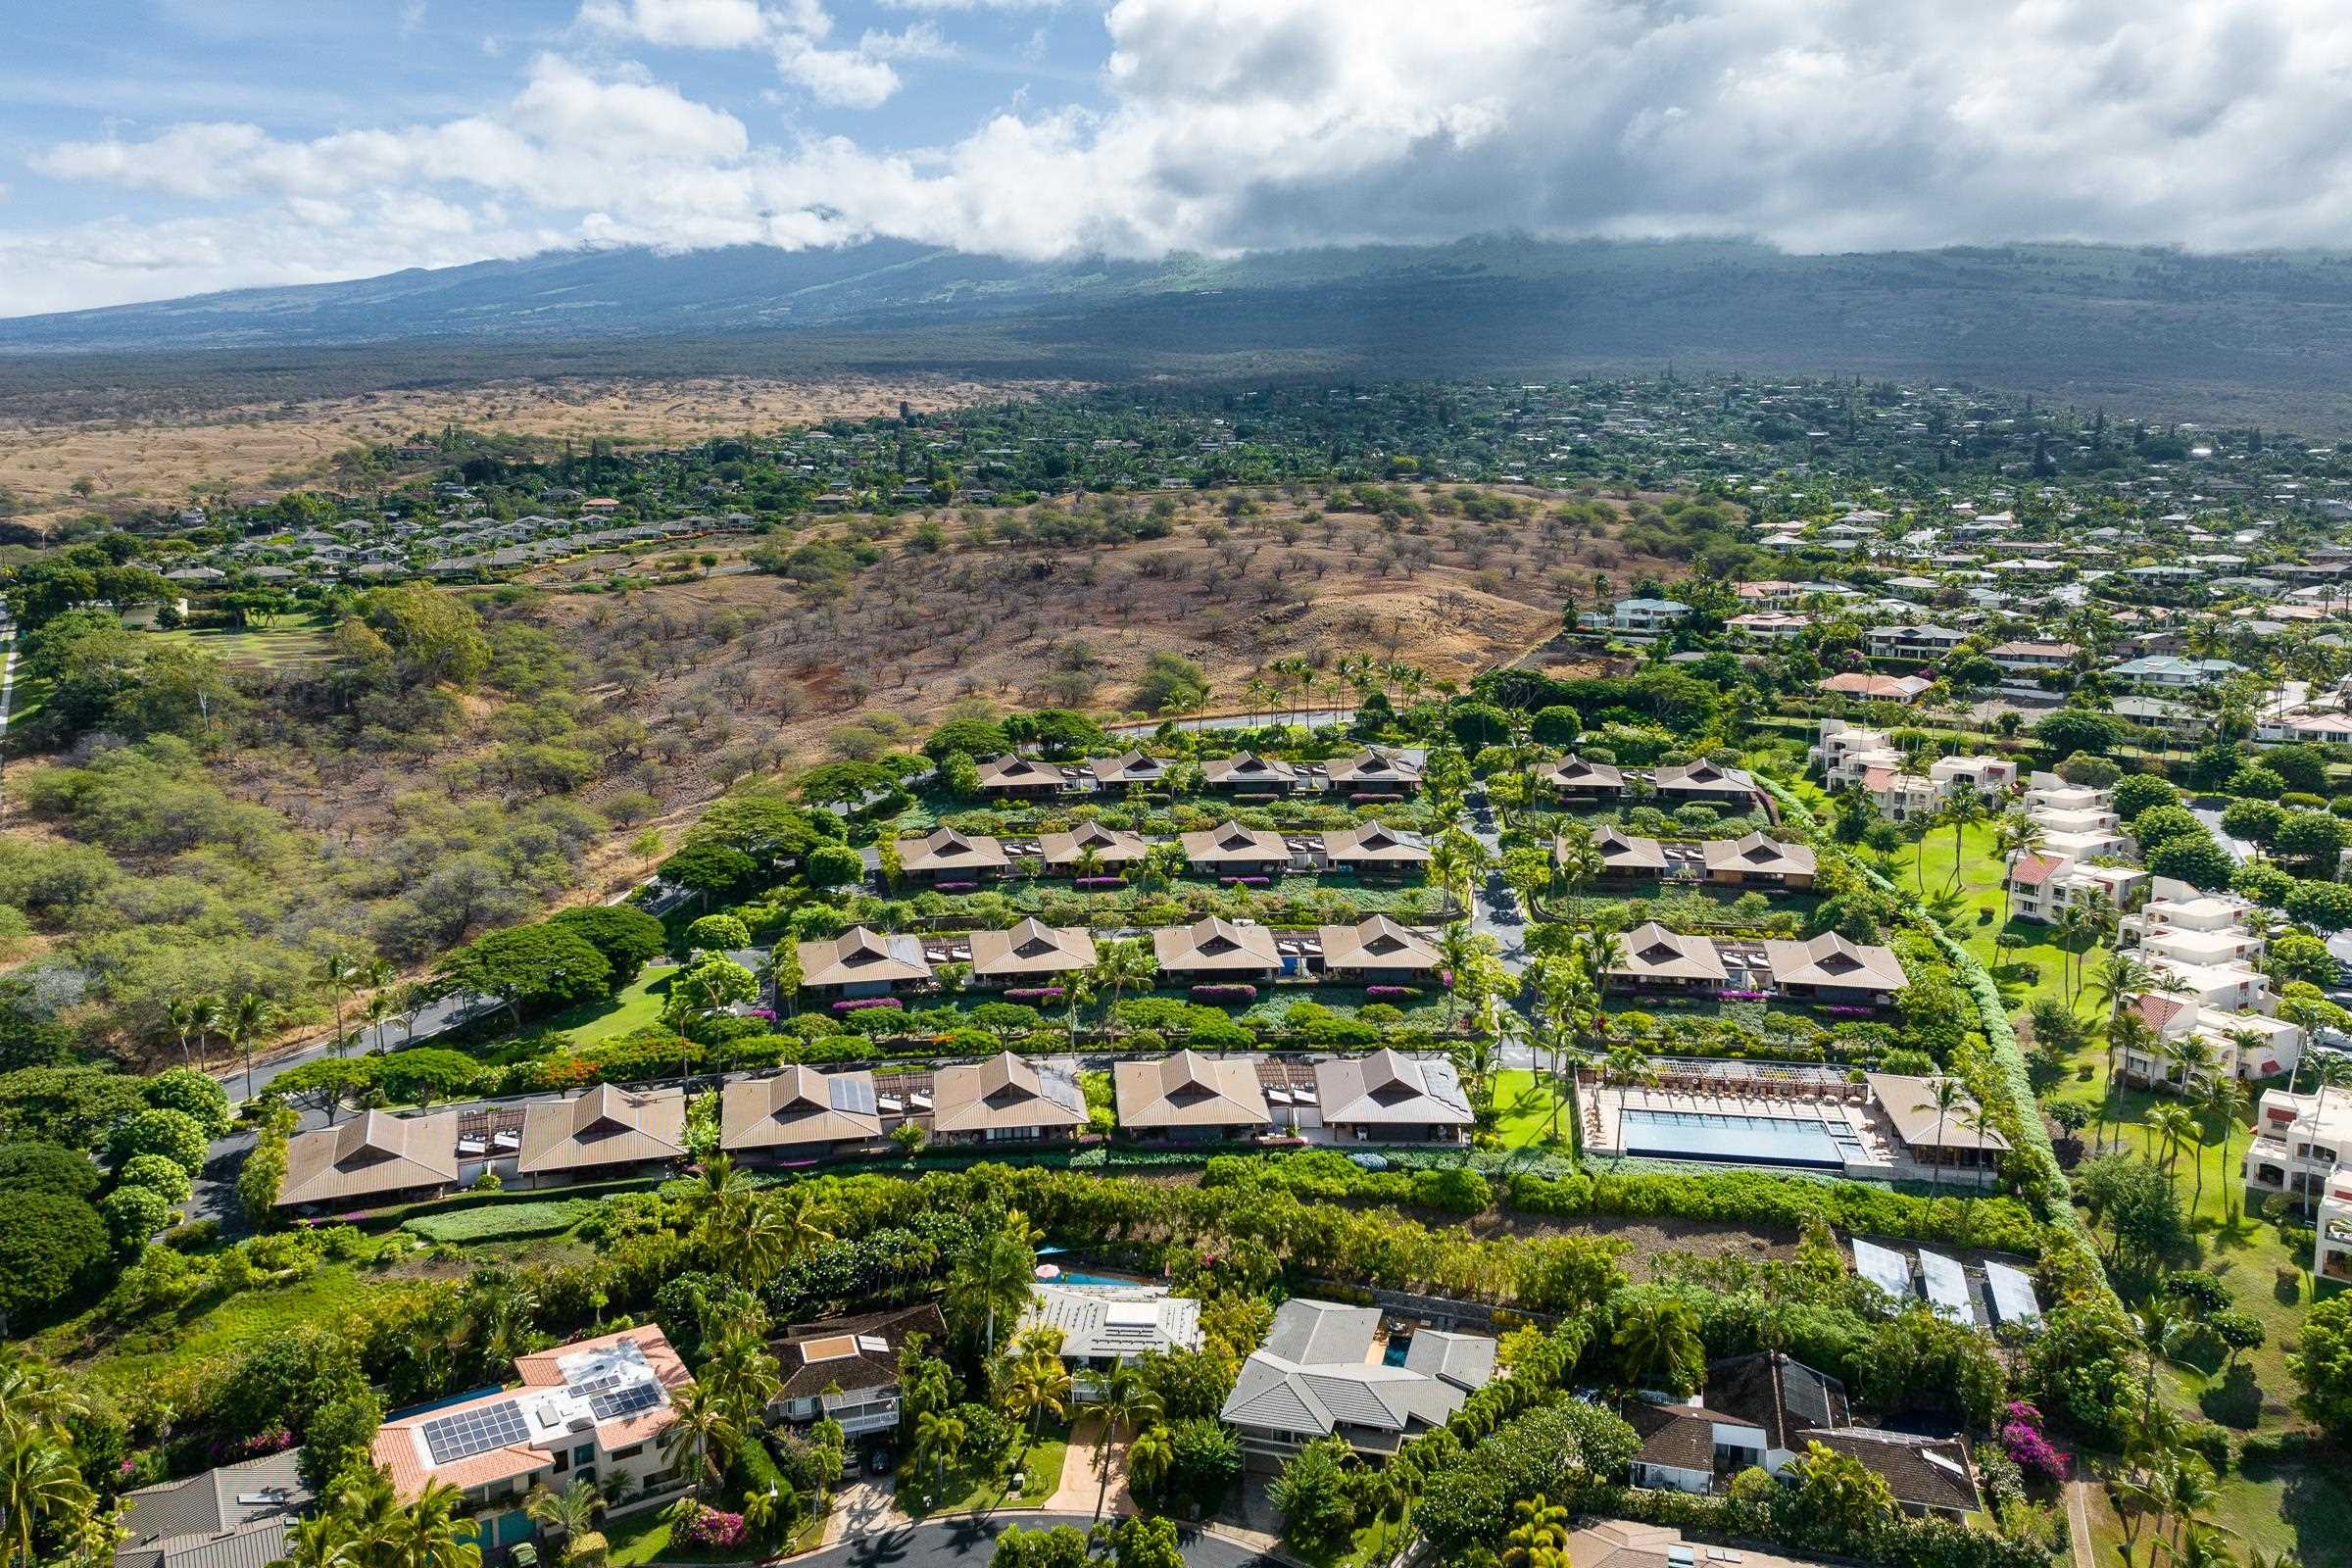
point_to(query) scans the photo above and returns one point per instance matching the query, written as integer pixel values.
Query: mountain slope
(2233, 336)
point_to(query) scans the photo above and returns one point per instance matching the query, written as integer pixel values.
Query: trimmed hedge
(503, 1222)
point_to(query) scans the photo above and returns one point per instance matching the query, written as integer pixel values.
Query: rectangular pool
(1730, 1139)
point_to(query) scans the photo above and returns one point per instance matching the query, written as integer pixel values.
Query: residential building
(1921, 642)
(2302, 1143)
(1875, 688)
(1216, 951)
(1375, 771)
(860, 962)
(1387, 1097)
(1375, 850)
(1322, 1373)
(1655, 958)
(1622, 854)
(1190, 1098)
(2324, 728)
(1006, 1099)
(602, 1135)
(1704, 780)
(798, 1114)
(1232, 849)
(1646, 618)
(2041, 885)
(1031, 953)
(1130, 770)
(1104, 1326)
(2033, 657)
(1829, 968)
(238, 1516)
(1249, 774)
(846, 1369)
(1765, 627)
(1092, 850)
(1757, 860)
(945, 857)
(2173, 672)
(376, 1157)
(1377, 950)
(1572, 778)
(593, 1410)
(2239, 1045)
(1015, 777)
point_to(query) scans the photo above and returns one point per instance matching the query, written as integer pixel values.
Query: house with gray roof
(238, 1516)
(1104, 1326)
(1386, 1097)
(1324, 1372)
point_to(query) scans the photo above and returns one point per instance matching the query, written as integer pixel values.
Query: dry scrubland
(154, 458)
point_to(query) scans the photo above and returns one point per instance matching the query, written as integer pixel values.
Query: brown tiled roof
(1574, 772)
(1112, 846)
(1653, 952)
(946, 850)
(1374, 767)
(1829, 959)
(1383, 1088)
(1782, 1397)
(1189, 1090)
(1702, 776)
(840, 1360)
(1910, 1465)
(1002, 1092)
(1230, 841)
(1032, 948)
(1678, 1435)
(1377, 943)
(799, 1107)
(1759, 852)
(860, 956)
(1015, 771)
(1247, 767)
(1373, 842)
(1621, 851)
(605, 1126)
(1907, 1103)
(1130, 767)
(1217, 943)
(373, 1153)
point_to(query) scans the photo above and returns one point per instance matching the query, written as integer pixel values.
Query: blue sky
(154, 148)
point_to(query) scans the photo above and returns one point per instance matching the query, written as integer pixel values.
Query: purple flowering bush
(860, 1004)
(2032, 1452)
(1390, 993)
(1225, 993)
(712, 1527)
(1102, 882)
(1034, 994)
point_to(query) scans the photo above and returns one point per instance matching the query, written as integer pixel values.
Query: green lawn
(218, 1331)
(975, 1486)
(1925, 870)
(636, 1006)
(282, 646)
(1523, 1104)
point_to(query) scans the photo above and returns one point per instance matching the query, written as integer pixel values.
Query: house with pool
(1105, 1327)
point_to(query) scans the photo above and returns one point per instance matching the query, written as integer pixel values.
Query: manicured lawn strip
(970, 1486)
(259, 647)
(1984, 916)
(498, 1222)
(1523, 1104)
(637, 1006)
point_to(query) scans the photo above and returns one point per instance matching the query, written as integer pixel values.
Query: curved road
(968, 1541)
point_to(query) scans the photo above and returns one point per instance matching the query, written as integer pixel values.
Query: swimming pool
(1730, 1138)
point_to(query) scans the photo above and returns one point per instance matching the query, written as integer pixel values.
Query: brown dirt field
(263, 449)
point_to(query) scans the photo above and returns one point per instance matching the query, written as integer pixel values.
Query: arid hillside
(65, 463)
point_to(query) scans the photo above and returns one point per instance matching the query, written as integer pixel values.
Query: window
(629, 1452)
(585, 1453)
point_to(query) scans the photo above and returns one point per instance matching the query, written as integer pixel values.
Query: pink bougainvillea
(2032, 1452)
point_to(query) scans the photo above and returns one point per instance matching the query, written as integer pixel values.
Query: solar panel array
(2013, 1300)
(452, 1438)
(1882, 1267)
(851, 1094)
(625, 1402)
(1948, 1286)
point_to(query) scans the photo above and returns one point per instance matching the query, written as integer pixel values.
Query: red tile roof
(2032, 870)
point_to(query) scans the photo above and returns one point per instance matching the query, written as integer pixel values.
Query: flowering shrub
(1247, 881)
(1853, 1012)
(767, 1013)
(1225, 993)
(712, 1527)
(272, 1440)
(1102, 882)
(2028, 1448)
(953, 887)
(1743, 996)
(1035, 994)
(1390, 993)
(860, 1004)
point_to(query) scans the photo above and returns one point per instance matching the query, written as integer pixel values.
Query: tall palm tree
(180, 1016)
(39, 1482)
(1580, 864)
(996, 1277)
(1038, 1383)
(431, 1533)
(251, 1016)
(339, 972)
(208, 1015)
(1457, 950)
(1656, 1333)
(700, 1430)
(2225, 1100)
(1127, 1402)
(1119, 966)
(2174, 1126)
(1943, 1097)
(570, 1516)
(938, 1439)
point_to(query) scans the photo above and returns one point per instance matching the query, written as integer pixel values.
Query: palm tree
(180, 1016)
(38, 1482)
(938, 1439)
(2175, 1126)
(1457, 950)
(338, 973)
(1149, 1456)
(431, 1533)
(2225, 1100)
(996, 1275)
(1943, 1096)
(1038, 1383)
(699, 1431)
(1581, 864)
(208, 1015)
(571, 1514)
(249, 1016)
(1128, 1402)
(1656, 1333)
(1120, 965)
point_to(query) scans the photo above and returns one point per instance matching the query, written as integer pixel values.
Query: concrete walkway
(865, 1508)
(1081, 1481)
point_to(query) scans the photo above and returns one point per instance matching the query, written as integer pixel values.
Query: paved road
(968, 1543)
(433, 1018)
(1321, 717)
(2239, 849)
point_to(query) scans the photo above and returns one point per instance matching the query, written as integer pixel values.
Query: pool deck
(1854, 1122)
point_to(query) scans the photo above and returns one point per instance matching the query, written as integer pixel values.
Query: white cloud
(1226, 125)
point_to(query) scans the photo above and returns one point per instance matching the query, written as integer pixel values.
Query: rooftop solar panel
(1948, 1286)
(851, 1094)
(1884, 1268)
(2013, 1299)
(452, 1438)
(625, 1402)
